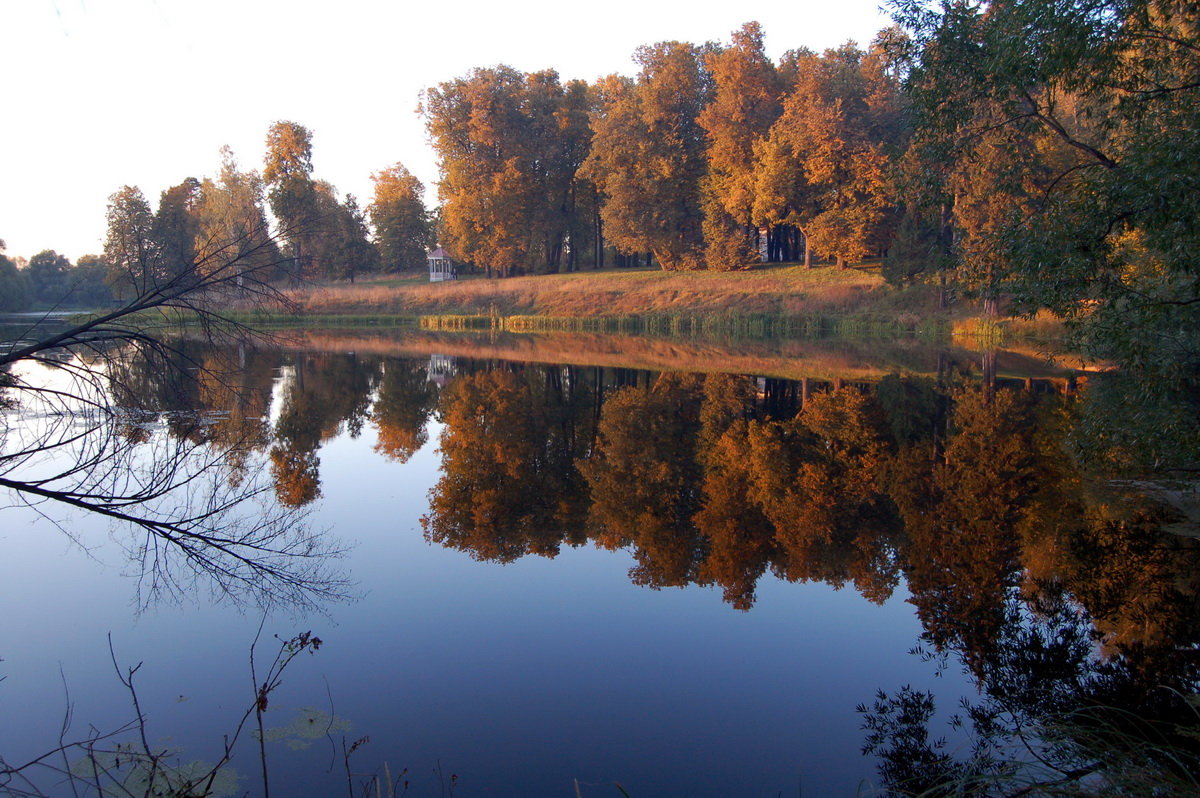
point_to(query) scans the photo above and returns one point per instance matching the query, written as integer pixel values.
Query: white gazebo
(441, 266)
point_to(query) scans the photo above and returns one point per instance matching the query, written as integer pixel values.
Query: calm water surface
(681, 582)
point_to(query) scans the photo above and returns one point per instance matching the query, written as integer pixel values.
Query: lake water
(577, 563)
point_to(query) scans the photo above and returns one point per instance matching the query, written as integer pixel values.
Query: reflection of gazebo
(441, 266)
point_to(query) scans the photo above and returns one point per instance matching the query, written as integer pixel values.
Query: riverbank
(775, 300)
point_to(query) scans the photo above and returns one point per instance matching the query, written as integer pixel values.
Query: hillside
(769, 291)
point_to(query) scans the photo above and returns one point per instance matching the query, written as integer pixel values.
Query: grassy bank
(769, 301)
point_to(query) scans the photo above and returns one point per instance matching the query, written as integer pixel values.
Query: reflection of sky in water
(518, 678)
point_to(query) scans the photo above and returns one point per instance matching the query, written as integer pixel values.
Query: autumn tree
(745, 103)
(231, 218)
(509, 146)
(403, 230)
(823, 167)
(648, 155)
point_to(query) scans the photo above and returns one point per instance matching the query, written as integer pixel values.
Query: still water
(557, 573)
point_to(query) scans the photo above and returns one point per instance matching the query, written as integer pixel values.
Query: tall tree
(232, 221)
(746, 102)
(339, 247)
(403, 230)
(509, 146)
(14, 285)
(287, 172)
(648, 155)
(823, 168)
(176, 227)
(129, 244)
(1103, 98)
(89, 281)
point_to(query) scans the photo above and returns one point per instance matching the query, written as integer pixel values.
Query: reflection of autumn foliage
(204, 394)
(406, 400)
(816, 479)
(961, 515)
(237, 400)
(643, 478)
(713, 480)
(741, 540)
(325, 393)
(1140, 585)
(297, 475)
(507, 487)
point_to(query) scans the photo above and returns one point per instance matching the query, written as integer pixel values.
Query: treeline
(711, 157)
(204, 225)
(1032, 151)
(317, 234)
(50, 280)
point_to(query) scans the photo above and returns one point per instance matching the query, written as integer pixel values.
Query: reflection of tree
(200, 392)
(817, 480)
(741, 540)
(326, 392)
(168, 474)
(960, 516)
(406, 400)
(1072, 608)
(1053, 719)
(508, 485)
(643, 478)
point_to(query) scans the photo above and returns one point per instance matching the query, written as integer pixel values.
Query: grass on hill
(767, 300)
(766, 290)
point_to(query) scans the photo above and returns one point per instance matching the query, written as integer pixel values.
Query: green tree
(129, 247)
(89, 280)
(231, 221)
(403, 229)
(287, 173)
(14, 285)
(175, 227)
(337, 236)
(1101, 100)
(49, 277)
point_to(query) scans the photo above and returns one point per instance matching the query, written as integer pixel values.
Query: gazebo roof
(438, 253)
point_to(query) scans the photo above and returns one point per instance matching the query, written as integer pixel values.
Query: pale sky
(104, 93)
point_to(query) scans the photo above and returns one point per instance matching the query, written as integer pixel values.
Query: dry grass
(768, 290)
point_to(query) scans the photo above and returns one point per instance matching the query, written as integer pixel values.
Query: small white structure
(441, 266)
